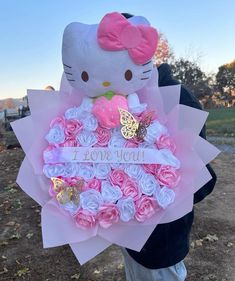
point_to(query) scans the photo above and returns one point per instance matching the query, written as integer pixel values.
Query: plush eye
(128, 75)
(85, 76)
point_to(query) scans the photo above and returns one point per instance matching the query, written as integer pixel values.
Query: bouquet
(110, 155)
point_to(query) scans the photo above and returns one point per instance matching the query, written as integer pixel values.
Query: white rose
(90, 123)
(72, 113)
(134, 171)
(127, 208)
(53, 171)
(121, 166)
(55, 135)
(87, 138)
(148, 184)
(116, 141)
(154, 131)
(164, 196)
(70, 207)
(86, 171)
(110, 193)
(91, 200)
(102, 170)
(70, 170)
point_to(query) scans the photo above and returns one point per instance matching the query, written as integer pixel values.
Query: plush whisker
(147, 63)
(68, 73)
(147, 71)
(67, 65)
(70, 80)
(145, 78)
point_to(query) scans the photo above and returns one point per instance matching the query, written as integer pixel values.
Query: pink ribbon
(116, 33)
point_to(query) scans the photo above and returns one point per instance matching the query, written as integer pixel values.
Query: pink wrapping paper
(184, 124)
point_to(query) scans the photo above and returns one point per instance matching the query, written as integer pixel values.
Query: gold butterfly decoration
(65, 193)
(133, 128)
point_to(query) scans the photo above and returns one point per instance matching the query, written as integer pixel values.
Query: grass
(221, 122)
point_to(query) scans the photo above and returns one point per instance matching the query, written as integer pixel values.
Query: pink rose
(94, 184)
(72, 127)
(166, 142)
(117, 177)
(73, 181)
(58, 121)
(168, 176)
(145, 208)
(107, 215)
(70, 142)
(103, 136)
(130, 189)
(151, 168)
(85, 219)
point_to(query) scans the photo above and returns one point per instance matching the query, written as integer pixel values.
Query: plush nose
(106, 84)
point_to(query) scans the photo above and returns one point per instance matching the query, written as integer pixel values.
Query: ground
(212, 254)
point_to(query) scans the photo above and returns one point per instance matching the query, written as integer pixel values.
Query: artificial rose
(130, 188)
(154, 131)
(70, 142)
(166, 142)
(116, 141)
(168, 176)
(86, 171)
(134, 171)
(126, 208)
(70, 169)
(72, 113)
(90, 123)
(117, 177)
(151, 168)
(56, 135)
(148, 184)
(110, 193)
(91, 200)
(72, 127)
(103, 136)
(87, 138)
(145, 208)
(85, 219)
(164, 196)
(102, 170)
(94, 184)
(53, 171)
(58, 121)
(118, 166)
(107, 215)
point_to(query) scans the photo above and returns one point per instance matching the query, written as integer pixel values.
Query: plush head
(112, 56)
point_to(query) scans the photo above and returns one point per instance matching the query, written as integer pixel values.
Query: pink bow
(116, 33)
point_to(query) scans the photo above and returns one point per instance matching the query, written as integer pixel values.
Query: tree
(164, 52)
(225, 80)
(191, 75)
(8, 103)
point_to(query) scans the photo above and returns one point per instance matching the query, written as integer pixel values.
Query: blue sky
(31, 34)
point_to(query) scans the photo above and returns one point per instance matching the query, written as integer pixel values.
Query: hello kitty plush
(113, 57)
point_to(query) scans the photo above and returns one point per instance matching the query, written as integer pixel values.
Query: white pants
(137, 272)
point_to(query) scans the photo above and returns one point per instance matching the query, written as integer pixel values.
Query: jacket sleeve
(188, 99)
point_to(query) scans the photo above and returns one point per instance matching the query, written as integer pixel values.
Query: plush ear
(74, 34)
(138, 20)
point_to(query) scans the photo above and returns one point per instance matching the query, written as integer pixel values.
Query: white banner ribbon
(111, 155)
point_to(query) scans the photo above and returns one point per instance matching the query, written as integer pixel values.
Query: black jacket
(169, 242)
